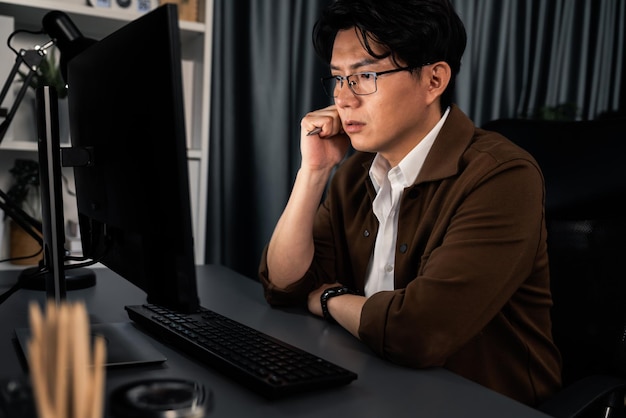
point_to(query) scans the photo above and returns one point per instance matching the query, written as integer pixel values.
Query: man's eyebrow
(358, 64)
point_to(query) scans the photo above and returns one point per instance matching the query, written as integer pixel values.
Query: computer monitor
(127, 132)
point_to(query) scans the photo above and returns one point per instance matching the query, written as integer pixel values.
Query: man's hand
(326, 149)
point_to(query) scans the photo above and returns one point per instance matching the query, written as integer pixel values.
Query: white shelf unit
(96, 23)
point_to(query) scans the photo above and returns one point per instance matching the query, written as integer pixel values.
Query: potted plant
(24, 193)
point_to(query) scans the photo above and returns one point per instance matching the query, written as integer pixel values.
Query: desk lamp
(70, 42)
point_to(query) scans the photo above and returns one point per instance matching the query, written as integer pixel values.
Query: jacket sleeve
(319, 272)
(338, 258)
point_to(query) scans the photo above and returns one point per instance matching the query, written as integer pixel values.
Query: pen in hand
(315, 131)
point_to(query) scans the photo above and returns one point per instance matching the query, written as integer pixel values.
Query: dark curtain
(265, 77)
(542, 59)
(522, 56)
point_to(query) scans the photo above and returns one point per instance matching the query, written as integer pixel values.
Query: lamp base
(79, 278)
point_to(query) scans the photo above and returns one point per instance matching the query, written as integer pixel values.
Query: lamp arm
(32, 60)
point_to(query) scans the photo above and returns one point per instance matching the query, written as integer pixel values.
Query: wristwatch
(331, 292)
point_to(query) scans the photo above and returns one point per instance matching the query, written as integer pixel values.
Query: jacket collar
(445, 155)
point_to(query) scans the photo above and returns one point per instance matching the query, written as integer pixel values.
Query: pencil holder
(66, 372)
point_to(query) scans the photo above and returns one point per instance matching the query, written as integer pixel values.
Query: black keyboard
(266, 365)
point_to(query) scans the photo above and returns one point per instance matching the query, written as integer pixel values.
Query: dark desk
(382, 389)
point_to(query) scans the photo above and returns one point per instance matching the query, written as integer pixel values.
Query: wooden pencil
(67, 373)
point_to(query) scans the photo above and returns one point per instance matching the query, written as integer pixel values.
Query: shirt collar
(411, 164)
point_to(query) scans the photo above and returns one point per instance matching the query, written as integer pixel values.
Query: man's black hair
(412, 32)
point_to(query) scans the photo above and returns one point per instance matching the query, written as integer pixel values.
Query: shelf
(192, 154)
(92, 21)
(97, 23)
(18, 145)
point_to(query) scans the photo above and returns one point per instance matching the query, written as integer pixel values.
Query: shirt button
(388, 268)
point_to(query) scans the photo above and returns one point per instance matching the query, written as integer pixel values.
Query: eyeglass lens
(361, 84)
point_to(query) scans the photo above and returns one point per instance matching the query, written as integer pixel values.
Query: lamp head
(66, 36)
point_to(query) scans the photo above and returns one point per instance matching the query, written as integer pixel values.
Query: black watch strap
(331, 292)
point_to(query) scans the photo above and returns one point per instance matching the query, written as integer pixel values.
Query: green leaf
(49, 74)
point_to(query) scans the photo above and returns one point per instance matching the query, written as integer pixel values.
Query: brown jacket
(471, 271)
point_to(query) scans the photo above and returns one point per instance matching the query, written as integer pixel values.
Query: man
(430, 242)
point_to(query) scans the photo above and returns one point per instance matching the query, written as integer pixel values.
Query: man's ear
(438, 76)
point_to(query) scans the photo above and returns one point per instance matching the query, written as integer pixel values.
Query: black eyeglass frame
(375, 74)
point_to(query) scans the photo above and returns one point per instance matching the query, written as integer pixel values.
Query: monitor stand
(53, 219)
(52, 275)
(33, 278)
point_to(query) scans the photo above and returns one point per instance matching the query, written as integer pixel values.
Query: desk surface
(382, 388)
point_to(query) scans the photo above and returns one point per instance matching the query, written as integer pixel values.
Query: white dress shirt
(389, 183)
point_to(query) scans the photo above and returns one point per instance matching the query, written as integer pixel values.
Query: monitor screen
(126, 114)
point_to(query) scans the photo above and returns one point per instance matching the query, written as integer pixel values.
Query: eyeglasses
(361, 84)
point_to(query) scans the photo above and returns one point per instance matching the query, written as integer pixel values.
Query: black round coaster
(152, 398)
